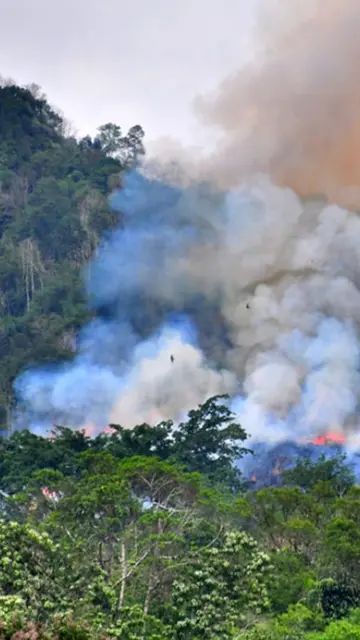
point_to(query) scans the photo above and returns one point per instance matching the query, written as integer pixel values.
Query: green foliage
(329, 471)
(134, 624)
(53, 212)
(24, 453)
(208, 441)
(291, 579)
(98, 542)
(342, 551)
(27, 570)
(295, 624)
(152, 540)
(113, 143)
(340, 630)
(297, 621)
(222, 585)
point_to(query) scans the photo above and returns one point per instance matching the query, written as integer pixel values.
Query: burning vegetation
(330, 437)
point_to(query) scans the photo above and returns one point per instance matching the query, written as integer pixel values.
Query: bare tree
(32, 268)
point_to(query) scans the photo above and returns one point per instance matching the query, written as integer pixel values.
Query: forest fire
(329, 437)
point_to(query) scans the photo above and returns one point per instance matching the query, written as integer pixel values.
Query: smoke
(249, 291)
(236, 283)
(293, 112)
(167, 374)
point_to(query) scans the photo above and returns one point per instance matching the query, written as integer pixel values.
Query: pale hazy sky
(126, 61)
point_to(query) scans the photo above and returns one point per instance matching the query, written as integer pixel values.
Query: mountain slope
(53, 211)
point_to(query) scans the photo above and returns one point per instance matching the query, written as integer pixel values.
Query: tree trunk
(123, 578)
(148, 595)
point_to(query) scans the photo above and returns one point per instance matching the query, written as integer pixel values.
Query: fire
(89, 429)
(54, 496)
(330, 437)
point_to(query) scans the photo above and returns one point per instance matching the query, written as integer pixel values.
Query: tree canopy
(146, 533)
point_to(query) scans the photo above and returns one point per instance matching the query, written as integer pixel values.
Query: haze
(139, 62)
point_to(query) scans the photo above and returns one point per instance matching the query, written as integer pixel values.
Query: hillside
(53, 211)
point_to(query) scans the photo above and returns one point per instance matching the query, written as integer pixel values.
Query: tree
(110, 137)
(340, 630)
(126, 526)
(291, 578)
(333, 471)
(142, 440)
(341, 551)
(126, 148)
(132, 146)
(222, 586)
(210, 441)
(135, 624)
(29, 570)
(284, 518)
(297, 623)
(171, 502)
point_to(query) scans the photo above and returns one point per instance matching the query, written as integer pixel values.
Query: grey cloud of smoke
(252, 290)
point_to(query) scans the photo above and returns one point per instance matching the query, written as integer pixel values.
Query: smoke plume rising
(238, 284)
(251, 291)
(294, 111)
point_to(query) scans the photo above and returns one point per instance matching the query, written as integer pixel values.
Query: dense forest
(150, 533)
(53, 212)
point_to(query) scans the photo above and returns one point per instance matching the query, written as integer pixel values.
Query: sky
(139, 62)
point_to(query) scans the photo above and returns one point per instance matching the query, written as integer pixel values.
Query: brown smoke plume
(294, 112)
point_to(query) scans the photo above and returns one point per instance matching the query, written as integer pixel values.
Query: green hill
(53, 211)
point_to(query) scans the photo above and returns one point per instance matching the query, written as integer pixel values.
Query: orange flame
(330, 437)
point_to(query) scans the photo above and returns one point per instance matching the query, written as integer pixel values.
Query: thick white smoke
(264, 288)
(166, 376)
